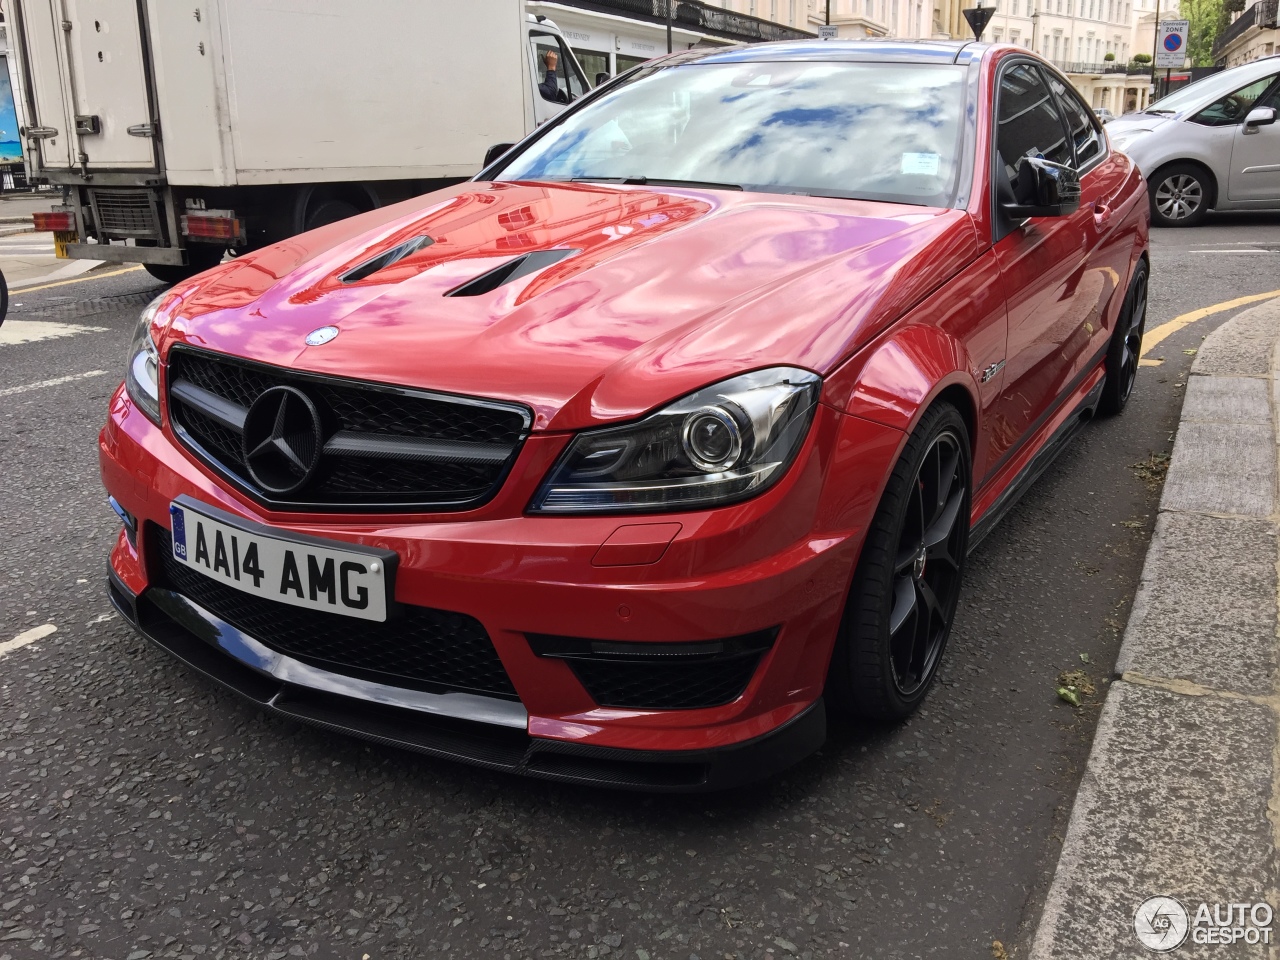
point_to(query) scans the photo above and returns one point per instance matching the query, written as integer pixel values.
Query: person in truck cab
(550, 86)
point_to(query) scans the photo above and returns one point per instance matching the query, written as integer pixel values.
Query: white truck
(179, 129)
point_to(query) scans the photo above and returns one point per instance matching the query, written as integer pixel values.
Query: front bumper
(779, 563)
(494, 737)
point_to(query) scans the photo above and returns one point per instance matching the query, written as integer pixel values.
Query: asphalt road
(147, 814)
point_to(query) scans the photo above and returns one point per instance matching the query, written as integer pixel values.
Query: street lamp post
(670, 3)
(828, 13)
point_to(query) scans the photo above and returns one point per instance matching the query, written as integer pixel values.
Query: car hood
(1137, 121)
(655, 292)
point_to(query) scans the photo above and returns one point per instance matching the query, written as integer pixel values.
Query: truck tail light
(214, 225)
(63, 220)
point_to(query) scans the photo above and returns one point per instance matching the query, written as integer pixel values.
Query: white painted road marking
(1273, 252)
(14, 332)
(56, 381)
(22, 639)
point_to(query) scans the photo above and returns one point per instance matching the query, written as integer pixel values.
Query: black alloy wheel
(1125, 349)
(907, 585)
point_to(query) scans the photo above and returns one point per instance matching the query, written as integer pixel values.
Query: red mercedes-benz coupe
(629, 460)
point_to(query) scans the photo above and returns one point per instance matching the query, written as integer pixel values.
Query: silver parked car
(1213, 144)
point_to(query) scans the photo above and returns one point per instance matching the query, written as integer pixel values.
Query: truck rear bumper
(118, 253)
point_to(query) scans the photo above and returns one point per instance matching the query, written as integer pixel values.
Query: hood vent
(511, 270)
(386, 259)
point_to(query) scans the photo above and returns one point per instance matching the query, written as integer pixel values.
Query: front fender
(943, 346)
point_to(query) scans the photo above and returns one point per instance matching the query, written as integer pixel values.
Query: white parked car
(1213, 144)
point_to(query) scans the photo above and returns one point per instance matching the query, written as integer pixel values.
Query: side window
(558, 81)
(1233, 107)
(1086, 135)
(1027, 125)
(1272, 100)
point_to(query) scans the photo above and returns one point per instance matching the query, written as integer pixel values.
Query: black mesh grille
(357, 409)
(660, 676)
(423, 649)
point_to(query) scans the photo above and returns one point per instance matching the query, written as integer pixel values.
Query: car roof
(864, 51)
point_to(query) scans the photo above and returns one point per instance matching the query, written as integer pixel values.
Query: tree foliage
(1207, 19)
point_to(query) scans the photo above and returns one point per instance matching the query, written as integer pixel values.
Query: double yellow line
(62, 283)
(1154, 338)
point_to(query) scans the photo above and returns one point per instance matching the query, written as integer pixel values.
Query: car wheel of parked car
(1180, 195)
(1126, 345)
(907, 584)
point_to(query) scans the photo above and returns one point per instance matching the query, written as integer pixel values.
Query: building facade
(1251, 36)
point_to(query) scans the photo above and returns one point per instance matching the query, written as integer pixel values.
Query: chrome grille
(382, 446)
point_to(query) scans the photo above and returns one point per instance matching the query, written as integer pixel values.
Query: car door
(1104, 190)
(1042, 261)
(1255, 153)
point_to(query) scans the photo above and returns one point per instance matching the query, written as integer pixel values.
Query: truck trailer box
(286, 113)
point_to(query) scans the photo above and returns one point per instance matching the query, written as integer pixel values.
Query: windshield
(1197, 94)
(870, 131)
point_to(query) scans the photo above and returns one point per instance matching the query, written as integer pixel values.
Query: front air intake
(511, 270)
(386, 259)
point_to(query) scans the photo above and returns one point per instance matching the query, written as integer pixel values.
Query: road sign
(828, 33)
(1171, 43)
(978, 18)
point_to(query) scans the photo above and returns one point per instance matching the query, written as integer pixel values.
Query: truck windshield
(861, 130)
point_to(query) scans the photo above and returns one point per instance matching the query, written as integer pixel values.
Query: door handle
(1101, 212)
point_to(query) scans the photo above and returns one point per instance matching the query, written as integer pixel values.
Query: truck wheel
(329, 211)
(198, 261)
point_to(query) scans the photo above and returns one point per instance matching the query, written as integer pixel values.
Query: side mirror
(496, 152)
(1260, 117)
(602, 78)
(1055, 190)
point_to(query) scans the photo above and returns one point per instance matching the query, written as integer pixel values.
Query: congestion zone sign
(1171, 43)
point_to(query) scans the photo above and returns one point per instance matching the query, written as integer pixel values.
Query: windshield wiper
(660, 182)
(1158, 110)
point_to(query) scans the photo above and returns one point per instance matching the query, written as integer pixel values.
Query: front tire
(1180, 195)
(905, 590)
(1125, 348)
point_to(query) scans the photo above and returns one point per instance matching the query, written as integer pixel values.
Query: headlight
(142, 379)
(722, 444)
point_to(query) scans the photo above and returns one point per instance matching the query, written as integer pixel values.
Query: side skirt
(1037, 465)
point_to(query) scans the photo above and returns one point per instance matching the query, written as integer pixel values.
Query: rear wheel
(1180, 195)
(329, 211)
(1126, 345)
(899, 611)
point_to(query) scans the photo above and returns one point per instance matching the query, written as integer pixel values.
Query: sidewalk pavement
(1181, 796)
(17, 208)
(26, 257)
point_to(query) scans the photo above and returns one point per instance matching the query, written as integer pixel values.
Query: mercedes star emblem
(318, 338)
(282, 440)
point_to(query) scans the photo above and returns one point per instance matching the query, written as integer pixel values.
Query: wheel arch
(895, 381)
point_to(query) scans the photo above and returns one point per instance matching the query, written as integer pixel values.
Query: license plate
(300, 571)
(60, 240)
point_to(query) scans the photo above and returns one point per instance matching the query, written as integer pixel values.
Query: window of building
(594, 63)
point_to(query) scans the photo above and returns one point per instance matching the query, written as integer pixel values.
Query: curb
(1180, 796)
